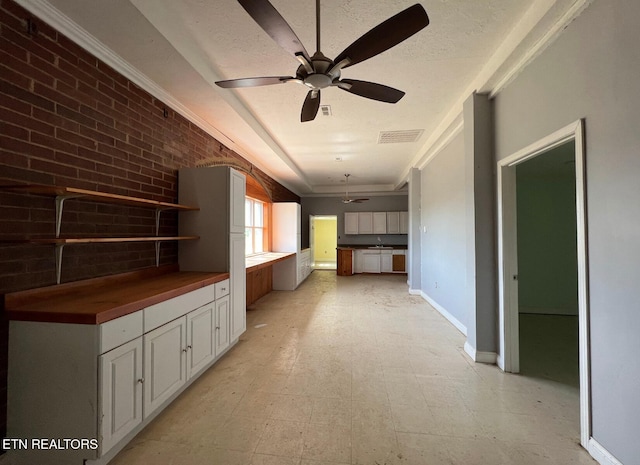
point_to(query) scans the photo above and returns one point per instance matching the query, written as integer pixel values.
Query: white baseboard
(452, 319)
(415, 291)
(602, 455)
(480, 357)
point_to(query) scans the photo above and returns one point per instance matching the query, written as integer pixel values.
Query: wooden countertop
(256, 262)
(98, 300)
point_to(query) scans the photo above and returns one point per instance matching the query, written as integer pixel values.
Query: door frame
(509, 350)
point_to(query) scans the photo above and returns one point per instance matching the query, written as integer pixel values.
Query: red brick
(55, 96)
(48, 120)
(96, 136)
(13, 50)
(96, 115)
(112, 93)
(75, 139)
(53, 168)
(25, 96)
(74, 160)
(53, 143)
(11, 130)
(22, 147)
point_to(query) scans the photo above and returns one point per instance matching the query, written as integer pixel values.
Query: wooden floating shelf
(98, 240)
(62, 194)
(72, 192)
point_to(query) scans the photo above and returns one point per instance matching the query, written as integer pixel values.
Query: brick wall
(68, 119)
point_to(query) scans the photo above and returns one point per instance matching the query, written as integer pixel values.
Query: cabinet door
(393, 222)
(379, 223)
(238, 189)
(365, 223)
(404, 222)
(222, 324)
(237, 275)
(357, 261)
(370, 262)
(165, 358)
(351, 223)
(399, 263)
(385, 262)
(200, 339)
(120, 392)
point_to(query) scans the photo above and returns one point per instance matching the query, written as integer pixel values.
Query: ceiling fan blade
(274, 24)
(310, 106)
(254, 82)
(386, 35)
(371, 90)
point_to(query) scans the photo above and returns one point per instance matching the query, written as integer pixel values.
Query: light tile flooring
(353, 370)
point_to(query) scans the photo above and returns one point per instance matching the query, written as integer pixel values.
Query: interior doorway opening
(548, 266)
(509, 357)
(323, 241)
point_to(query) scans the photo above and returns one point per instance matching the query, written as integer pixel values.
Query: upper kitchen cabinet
(404, 222)
(393, 222)
(219, 192)
(376, 222)
(379, 223)
(365, 223)
(351, 223)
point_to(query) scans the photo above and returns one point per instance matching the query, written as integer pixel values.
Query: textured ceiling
(185, 46)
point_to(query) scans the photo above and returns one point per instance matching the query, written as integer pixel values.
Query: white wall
(592, 71)
(443, 213)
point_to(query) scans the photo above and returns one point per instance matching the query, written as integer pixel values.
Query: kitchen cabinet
(345, 262)
(393, 222)
(109, 380)
(365, 222)
(399, 261)
(222, 340)
(351, 223)
(121, 391)
(164, 363)
(371, 261)
(404, 222)
(379, 223)
(220, 194)
(386, 261)
(376, 222)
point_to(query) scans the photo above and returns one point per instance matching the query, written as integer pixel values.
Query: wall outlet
(436, 284)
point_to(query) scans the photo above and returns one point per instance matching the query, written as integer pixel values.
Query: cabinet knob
(217, 327)
(141, 380)
(224, 288)
(189, 347)
(184, 350)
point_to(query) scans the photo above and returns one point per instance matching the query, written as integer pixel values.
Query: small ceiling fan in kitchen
(346, 198)
(318, 72)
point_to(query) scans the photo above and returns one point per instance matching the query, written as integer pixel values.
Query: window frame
(266, 209)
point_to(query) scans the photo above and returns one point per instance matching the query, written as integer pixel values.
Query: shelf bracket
(59, 249)
(157, 253)
(59, 207)
(158, 211)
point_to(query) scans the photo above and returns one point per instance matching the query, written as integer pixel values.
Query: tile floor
(354, 370)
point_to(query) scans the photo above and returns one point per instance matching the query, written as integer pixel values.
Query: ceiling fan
(346, 198)
(318, 72)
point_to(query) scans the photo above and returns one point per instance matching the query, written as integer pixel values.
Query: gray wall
(334, 206)
(443, 246)
(547, 258)
(592, 72)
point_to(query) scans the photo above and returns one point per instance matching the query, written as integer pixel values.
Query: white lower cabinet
(371, 261)
(201, 338)
(222, 340)
(121, 387)
(386, 261)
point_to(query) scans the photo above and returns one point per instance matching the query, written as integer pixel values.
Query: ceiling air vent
(395, 137)
(326, 110)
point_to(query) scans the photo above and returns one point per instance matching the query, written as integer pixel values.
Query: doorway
(568, 140)
(323, 240)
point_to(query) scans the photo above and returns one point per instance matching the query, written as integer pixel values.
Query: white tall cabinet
(219, 192)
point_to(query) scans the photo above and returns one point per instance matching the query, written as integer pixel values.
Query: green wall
(547, 263)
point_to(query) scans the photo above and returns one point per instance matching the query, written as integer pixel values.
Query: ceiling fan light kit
(318, 72)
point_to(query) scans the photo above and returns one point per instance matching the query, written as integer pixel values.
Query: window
(255, 226)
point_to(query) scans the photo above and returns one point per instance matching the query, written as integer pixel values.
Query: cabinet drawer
(164, 312)
(222, 288)
(116, 332)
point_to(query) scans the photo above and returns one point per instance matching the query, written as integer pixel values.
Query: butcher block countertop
(99, 300)
(357, 246)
